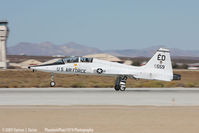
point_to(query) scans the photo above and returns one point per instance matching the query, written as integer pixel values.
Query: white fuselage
(102, 67)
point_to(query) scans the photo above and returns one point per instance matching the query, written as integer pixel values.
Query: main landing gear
(52, 83)
(120, 83)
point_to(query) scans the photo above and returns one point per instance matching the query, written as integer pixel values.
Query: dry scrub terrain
(26, 78)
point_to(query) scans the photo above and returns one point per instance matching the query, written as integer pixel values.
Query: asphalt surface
(99, 96)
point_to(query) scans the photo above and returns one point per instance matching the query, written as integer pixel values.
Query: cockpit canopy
(74, 60)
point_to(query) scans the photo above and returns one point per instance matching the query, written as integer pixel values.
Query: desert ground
(26, 78)
(102, 119)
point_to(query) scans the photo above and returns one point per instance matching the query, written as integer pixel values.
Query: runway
(100, 96)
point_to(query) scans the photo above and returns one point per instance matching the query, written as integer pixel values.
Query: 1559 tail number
(158, 66)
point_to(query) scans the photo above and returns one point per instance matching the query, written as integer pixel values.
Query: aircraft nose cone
(29, 67)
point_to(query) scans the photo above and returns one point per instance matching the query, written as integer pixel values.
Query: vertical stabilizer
(159, 66)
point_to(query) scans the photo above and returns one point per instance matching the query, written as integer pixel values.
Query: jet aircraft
(159, 67)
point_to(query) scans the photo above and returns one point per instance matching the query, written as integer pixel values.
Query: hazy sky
(105, 24)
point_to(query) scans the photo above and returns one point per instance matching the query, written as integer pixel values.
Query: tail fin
(160, 66)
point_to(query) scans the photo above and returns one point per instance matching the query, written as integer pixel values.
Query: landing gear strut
(52, 83)
(120, 83)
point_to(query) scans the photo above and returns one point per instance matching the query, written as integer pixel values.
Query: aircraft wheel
(117, 87)
(52, 83)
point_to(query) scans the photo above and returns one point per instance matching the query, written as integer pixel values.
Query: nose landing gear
(120, 83)
(52, 83)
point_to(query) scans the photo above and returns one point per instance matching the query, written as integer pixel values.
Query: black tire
(52, 84)
(117, 87)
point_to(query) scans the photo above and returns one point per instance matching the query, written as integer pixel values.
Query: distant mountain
(74, 49)
(148, 52)
(49, 49)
